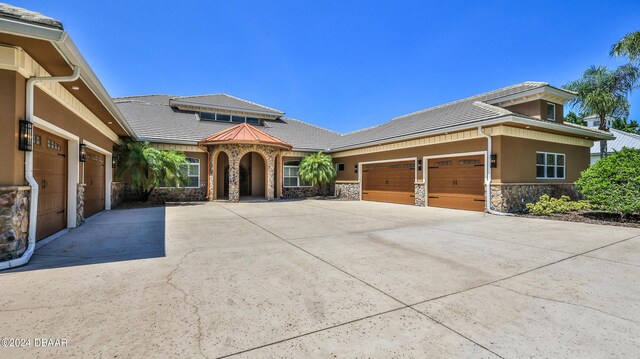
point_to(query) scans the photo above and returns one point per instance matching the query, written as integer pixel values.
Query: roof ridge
(148, 95)
(141, 102)
(311, 124)
(363, 129)
(496, 109)
(526, 83)
(233, 97)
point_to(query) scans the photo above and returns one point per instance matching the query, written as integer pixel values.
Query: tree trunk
(603, 143)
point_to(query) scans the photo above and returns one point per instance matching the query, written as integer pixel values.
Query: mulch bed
(593, 217)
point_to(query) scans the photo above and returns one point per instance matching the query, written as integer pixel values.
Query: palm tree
(629, 47)
(148, 168)
(604, 92)
(318, 170)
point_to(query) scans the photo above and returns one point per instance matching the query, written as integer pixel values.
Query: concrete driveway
(327, 278)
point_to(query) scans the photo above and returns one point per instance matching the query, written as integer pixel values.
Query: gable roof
(623, 139)
(461, 112)
(244, 133)
(152, 118)
(224, 101)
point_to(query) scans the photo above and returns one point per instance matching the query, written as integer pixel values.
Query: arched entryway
(252, 178)
(243, 163)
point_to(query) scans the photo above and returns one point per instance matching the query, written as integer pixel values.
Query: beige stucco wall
(11, 111)
(257, 174)
(537, 109)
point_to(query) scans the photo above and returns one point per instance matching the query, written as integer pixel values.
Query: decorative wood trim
(16, 59)
(500, 130)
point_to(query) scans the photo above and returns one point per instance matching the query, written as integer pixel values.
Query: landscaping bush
(547, 205)
(613, 183)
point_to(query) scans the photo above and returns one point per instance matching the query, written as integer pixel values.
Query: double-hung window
(551, 111)
(290, 175)
(550, 165)
(193, 172)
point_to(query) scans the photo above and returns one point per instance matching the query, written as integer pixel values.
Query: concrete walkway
(327, 278)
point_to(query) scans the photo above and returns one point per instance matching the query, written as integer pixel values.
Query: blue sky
(343, 65)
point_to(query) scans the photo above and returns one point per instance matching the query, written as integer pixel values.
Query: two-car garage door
(452, 182)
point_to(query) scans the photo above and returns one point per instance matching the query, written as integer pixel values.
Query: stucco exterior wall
(517, 160)
(12, 90)
(537, 109)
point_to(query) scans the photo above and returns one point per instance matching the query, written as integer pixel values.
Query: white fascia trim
(108, 172)
(415, 168)
(70, 52)
(484, 123)
(21, 28)
(568, 96)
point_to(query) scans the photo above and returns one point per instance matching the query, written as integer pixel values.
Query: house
(437, 157)
(495, 151)
(58, 126)
(622, 139)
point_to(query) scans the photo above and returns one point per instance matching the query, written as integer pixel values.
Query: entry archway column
(234, 179)
(212, 174)
(269, 193)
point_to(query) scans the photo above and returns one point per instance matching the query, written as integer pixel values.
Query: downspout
(28, 169)
(487, 180)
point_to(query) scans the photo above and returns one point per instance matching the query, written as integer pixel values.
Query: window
(339, 166)
(550, 165)
(209, 116)
(193, 173)
(290, 175)
(551, 111)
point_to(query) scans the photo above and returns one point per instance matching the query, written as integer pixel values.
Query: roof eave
(173, 102)
(484, 122)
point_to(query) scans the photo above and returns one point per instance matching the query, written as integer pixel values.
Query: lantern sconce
(83, 153)
(356, 167)
(419, 165)
(114, 161)
(494, 160)
(25, 132)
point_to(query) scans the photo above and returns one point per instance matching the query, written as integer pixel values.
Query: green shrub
(547, 205)
(613, 183)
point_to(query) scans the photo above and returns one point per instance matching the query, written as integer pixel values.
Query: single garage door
(50, 171)
(389, 182)
(94, 183)
(456, 182)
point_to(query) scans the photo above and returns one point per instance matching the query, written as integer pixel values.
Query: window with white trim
(550, 165)
(551, 111)
(192, 170)
(290, 175)
(339, 167)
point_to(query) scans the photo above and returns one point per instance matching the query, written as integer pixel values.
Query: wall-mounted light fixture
(25, 134)
(494, 160)
(83, 153)
(419, 165)
(356, 168)
(114, 161)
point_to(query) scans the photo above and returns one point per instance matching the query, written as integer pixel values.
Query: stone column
(279, 175)
(234, 178)
(80, 204)
(212, 174)
(269, 192)
(420, 194)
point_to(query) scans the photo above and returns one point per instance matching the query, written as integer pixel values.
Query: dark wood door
(50, 171)
(392, 182)
(94, 190)
(456, 182)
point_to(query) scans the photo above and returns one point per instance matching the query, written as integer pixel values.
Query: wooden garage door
(94, 183)
(456, 182)
(50, 171)
(389, 182)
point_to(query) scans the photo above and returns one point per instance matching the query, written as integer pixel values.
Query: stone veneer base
(162, 195)
(513, 198)
(347, 190)
(14, 221)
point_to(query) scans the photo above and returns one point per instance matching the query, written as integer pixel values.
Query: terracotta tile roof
(244, 133)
